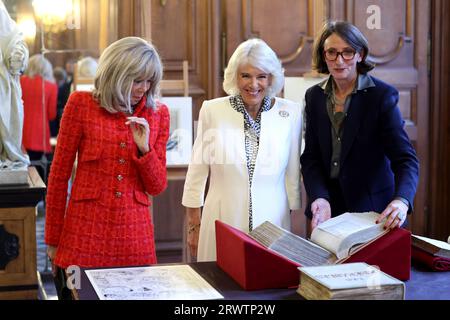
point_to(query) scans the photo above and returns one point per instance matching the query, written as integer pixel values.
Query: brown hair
(350, 34)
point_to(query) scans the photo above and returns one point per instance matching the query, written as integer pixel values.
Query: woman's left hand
(395, 213)
(141, 133)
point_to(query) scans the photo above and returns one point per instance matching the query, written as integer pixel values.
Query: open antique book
(434, 247)
(332, 242)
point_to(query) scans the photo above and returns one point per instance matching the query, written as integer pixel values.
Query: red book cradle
(255, 267)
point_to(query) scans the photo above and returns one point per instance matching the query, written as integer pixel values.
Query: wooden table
(423, 285)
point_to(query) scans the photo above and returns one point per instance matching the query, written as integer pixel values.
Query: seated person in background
(87, 67)
(39, 107)
(120, 133)
(357, 154)
(248, 144)
(84, 78)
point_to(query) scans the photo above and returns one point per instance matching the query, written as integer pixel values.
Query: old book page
(331, 242)
(432, 246)
(340, 235)
(291, 246)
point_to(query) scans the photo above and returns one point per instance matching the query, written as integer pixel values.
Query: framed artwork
(179, 145)
(295, 89)
(84, 87)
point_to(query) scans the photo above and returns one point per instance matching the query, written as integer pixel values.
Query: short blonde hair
(38, 65)
(258, 54)
(123, 62)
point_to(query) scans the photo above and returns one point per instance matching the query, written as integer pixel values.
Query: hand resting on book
(321, 211)
(395, 214)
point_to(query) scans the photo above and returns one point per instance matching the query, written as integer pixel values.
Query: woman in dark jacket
(357, 154)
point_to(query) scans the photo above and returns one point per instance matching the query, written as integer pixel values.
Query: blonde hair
(258, 54)
(123, 62)
(38, 65)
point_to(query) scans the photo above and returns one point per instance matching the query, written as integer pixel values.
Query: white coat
(219, 152)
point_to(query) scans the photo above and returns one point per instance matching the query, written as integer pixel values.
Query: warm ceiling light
(52, 12)
(27, 25)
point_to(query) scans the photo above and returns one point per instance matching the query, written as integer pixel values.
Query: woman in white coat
(248, 144)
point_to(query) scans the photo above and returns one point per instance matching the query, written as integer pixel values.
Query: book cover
(349, 281)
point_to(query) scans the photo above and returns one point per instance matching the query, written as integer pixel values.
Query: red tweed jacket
(36, 129)
(106, 220)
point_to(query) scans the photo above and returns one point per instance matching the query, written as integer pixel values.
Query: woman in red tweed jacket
(37, 114)
(120, 133)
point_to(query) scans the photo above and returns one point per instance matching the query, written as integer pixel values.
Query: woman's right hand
(51, 253)
(193, 229)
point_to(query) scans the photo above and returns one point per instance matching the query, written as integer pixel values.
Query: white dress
(219, 152)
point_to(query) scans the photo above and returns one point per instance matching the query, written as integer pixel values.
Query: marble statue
(13, 61)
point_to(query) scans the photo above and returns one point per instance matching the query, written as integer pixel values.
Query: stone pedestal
(9, 177)
(18, 266)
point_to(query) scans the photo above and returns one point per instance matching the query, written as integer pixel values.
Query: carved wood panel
(21, 270)
(439, 217)
(181, 30)
(175, 20)
(287, 27)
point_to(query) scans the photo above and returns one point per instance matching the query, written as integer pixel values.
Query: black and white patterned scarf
(252, 131)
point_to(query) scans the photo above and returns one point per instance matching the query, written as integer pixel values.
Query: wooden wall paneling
(291, 37)
(421, 111)
(191, 27)
(317, 13)
(168, 217)
(186, 24)
(19, 279)
(439, 217)
(108, 23)
(143, 19)
(215, 33)
(87, 37)
(126, 18)
(337, 9)
(399, 49)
